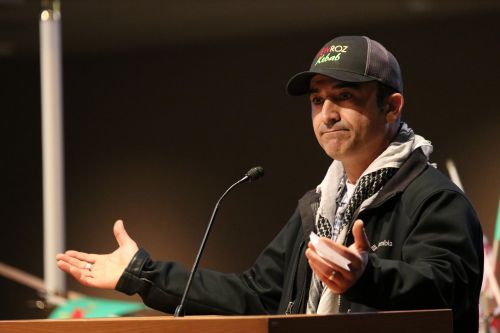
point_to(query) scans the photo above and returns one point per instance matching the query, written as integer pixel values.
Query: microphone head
(255, 173)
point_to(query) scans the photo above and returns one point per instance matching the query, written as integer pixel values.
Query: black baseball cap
(351, 59)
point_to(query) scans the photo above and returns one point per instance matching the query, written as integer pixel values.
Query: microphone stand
(253, 174)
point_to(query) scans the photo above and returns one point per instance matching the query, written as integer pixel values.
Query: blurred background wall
(166, 104)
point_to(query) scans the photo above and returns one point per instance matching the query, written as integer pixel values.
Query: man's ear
(392, 108)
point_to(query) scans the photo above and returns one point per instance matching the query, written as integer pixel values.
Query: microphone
(251, 175)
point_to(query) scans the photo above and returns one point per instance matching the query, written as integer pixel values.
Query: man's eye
(345, 95)
(316, 100)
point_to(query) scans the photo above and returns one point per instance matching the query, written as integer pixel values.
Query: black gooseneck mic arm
(252, 174)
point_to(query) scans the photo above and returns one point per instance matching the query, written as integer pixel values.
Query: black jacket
(427, 253)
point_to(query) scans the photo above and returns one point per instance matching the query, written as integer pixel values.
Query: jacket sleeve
(255, 291)
(440, 264)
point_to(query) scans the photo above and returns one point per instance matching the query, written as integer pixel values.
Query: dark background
(160, 119)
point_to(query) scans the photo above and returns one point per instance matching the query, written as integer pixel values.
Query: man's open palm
(105, 269)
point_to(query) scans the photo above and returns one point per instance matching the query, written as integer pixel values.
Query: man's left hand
(335, 277)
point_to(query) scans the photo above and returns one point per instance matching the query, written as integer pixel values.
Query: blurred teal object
(497, 227)
(89, 307)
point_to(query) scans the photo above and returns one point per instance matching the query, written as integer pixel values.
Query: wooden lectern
(429, 321)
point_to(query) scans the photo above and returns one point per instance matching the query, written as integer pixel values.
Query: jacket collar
(410, 169)
(308, 206)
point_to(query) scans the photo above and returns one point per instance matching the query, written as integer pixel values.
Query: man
(412, 238)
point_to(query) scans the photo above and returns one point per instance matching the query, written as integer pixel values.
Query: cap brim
(299, 84)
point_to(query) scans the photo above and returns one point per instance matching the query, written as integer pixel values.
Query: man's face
(347, 122)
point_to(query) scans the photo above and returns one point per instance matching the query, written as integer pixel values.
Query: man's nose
(330, 112)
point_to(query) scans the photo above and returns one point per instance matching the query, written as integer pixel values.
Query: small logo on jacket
(382, 243)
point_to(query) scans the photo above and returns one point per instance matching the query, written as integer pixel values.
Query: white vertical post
(52, 147)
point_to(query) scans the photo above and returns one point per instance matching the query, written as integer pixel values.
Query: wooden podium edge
(418, 321)
(428, 321)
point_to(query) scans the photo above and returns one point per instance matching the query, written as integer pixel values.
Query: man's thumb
(360, 239)
(120, 234)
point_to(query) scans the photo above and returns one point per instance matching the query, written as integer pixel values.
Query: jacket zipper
(349, 229)
(289, 308)
(301, 292)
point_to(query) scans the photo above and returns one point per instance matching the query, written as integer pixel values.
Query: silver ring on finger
(88, 266)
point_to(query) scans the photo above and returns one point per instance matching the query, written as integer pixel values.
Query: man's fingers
(63, 265)
(336, 283)
(72, 261)
(82, 275)
(87, 257)
(322, 265)
(360, 239)
(120, 233)
(318, 262)
(340, 249)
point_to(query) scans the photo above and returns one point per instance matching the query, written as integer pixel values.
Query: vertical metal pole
(52, 145)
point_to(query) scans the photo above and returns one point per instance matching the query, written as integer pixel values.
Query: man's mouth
(334, 130)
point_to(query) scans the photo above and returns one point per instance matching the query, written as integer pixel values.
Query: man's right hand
(105, 269)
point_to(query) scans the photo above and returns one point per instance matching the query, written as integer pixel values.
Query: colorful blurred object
(497, 226)
(89, 307)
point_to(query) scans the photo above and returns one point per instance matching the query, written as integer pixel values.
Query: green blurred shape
(497, 227)
(90, 307)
